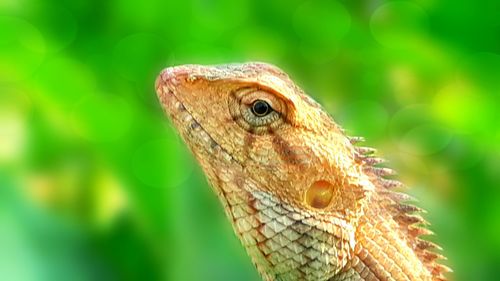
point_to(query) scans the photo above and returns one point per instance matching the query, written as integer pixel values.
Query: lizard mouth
(193, 133)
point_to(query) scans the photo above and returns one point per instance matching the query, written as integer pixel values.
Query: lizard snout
(169, 78)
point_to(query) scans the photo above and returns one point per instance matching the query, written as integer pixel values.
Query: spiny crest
(411, 224)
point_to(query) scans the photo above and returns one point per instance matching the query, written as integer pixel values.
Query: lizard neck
(285, 243)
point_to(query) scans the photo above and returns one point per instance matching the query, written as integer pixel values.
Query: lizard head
(252, 116)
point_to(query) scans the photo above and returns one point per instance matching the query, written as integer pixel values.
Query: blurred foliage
(95, 184)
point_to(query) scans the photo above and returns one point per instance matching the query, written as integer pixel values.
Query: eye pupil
(261, 108)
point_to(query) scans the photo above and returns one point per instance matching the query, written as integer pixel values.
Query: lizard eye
(261, 108)
(256, 110)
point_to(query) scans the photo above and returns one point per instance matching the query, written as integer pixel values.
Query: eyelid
(256, 95)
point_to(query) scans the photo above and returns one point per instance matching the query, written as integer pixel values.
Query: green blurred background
(95, 184)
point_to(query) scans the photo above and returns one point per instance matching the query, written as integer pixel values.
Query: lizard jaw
(197, 138)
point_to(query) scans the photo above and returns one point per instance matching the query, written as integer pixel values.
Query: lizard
(307, 201)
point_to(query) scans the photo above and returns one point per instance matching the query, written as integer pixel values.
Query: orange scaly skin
(305, 202)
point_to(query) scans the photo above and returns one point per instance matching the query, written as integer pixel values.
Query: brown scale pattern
(285, 243)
